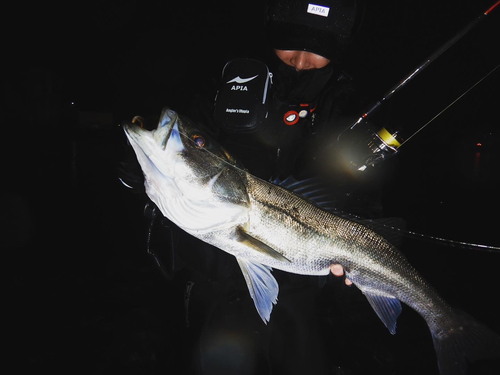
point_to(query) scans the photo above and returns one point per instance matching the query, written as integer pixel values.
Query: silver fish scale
(312, 239)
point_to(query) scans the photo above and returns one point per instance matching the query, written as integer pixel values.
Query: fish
(208, 193)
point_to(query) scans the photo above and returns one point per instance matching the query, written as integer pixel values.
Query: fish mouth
(167, 132)
(134, 135)
(157, 150)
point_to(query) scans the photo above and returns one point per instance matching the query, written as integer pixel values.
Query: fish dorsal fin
(319, 192)
(387, 309)
(314, 189)
(254, 243)
(262, 286)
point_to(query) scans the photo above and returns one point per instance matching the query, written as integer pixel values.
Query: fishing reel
(365, 145)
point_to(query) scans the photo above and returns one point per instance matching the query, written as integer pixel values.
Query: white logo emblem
(318, 10)
(241, 80)
(239, 88)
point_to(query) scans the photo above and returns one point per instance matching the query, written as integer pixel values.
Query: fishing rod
(384, 143)
(449, 105)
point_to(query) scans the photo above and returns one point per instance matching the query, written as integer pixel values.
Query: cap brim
(302, 38)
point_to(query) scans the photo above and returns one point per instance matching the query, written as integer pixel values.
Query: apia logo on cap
(318, 10)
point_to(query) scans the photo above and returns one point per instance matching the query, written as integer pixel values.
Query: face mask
(296, 87)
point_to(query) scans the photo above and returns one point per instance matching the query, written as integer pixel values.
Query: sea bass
(207, 193)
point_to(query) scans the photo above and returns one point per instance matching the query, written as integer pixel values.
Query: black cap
(318, 26)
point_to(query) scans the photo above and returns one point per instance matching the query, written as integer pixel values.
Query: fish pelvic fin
(262, 286)
(465, 341)
(387, 309)
(261, 247)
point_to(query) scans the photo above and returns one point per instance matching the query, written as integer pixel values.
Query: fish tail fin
(464, 341)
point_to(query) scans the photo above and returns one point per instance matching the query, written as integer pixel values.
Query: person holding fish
(250, 233)
(273, 118)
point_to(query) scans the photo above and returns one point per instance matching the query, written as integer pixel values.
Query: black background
(82, 294)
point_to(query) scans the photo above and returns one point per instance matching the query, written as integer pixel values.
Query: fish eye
(198, 140)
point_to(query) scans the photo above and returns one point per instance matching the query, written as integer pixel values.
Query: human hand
(338, 270)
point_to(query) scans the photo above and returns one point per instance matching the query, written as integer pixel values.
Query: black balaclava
(296, 87)
(323, 27)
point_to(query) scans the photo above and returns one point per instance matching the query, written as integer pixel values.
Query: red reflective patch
(291, 118)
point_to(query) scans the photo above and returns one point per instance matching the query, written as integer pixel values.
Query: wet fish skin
(203, 190)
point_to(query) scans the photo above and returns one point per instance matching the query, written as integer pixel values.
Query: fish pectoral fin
(262, 286)
(243, 237)
(387, 309)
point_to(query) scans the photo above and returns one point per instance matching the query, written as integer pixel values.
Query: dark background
(82, 294)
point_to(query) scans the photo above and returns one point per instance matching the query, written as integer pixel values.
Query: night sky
(82, 294)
